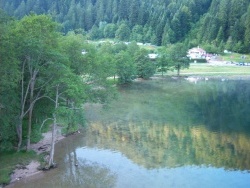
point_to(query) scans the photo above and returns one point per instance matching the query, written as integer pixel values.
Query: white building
(196, 53)
(152, 56)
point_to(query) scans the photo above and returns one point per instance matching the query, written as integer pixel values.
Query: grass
(235, 57)
(205, 69)
(9, 160)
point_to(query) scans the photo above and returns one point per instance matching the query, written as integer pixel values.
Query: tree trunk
(178, 70)
(29, 128)
(51, 163)
(32, 87)
(52, 150)
(19, 129)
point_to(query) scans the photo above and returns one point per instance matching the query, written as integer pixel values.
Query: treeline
(220, 23)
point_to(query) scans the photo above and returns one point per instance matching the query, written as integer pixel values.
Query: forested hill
(224, 23)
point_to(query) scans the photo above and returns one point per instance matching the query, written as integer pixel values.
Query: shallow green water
(160, 133)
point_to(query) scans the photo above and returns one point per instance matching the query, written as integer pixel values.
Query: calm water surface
(160, 133)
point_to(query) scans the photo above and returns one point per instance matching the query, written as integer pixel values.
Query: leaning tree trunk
(19, 126)
(32, 88)
(51, 163)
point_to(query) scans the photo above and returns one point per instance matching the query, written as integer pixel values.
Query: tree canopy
(48, 75)
(41, 66)
(159, 22)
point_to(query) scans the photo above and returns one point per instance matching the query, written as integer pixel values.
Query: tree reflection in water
(167, 124)
(165, 146)
(80, 173)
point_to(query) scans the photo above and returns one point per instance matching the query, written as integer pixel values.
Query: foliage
(209, 48)
(126, 69)
(72, 118)
(177, 57)
(164, 64)
(123, 32)
(162, 23)
(37, 62)
(37, 44)
(117, 17)
(9, 77)
(144, 66)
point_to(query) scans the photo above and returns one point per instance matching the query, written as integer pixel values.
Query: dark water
(161, 133)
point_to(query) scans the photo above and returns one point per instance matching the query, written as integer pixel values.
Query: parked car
(240, 64)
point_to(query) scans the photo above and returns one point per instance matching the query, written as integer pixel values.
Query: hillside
(220, 23)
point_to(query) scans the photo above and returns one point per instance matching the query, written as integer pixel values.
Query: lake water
(160, 133)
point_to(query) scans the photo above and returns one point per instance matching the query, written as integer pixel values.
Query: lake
(160, 133)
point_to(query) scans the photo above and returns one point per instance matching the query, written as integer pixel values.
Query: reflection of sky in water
(131, 175)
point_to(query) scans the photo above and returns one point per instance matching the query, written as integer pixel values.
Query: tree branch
(44, 122)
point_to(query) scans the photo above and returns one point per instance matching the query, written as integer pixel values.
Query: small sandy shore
(32, 169)
(24, 172)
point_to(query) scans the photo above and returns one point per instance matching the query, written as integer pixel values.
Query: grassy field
(206, 69)
(235, 57)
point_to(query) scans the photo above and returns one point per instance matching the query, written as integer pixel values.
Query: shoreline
(201, 76)
(23, 172)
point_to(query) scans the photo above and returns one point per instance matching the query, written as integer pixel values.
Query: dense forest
(220, 24)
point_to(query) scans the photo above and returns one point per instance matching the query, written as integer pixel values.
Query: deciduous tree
(36, 41)
(177, 55)
(144, 66)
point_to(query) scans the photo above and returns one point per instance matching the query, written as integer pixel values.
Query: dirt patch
(22, 172)
(25, 171)
(44, 144)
